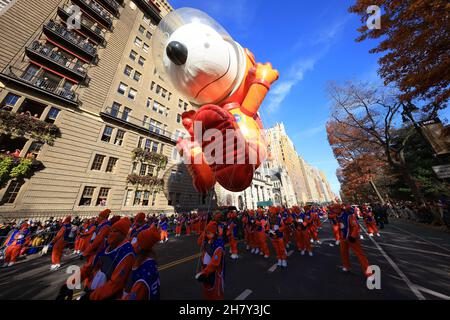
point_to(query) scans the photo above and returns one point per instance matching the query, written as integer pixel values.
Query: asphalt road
(414, 261)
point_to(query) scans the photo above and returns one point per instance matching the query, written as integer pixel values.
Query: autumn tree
(415, 41)
(362, 127)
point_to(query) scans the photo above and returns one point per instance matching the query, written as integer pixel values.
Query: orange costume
(59, 242)
(302, 223)
(260, 235)
(333, 214)
(349, 236)
(143, 282)
(370, 222)
(232, 234)
(108, 274)
(14, 244)
(276, 228)
(212, 258)
(97, 241)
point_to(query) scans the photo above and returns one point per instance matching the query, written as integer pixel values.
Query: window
(13, 190)
(155, 106)
(10, 99)
(111, 164)
(128, 197)
(132, 94)
(154, 198)
(179, 118)
(146, 47)
(115, 109)
(141, 61)
(107, 132)
(133, 55)
(155, 146)
(35, 148)
(134, 167)
(128, 70)
(143, 170)
(119, 137)
(122, 88)
(141, 29)
(148, 144)
(150, 170)
(86, 198)
(141, 139)
(102, 197)
(52, 115)
(144, 123)
(145, 198)
(138, 42)
(137, 76)
(137, 198)
(152, 85)
(98, 161)
(126, 113)
(149, 102)
(148, 35)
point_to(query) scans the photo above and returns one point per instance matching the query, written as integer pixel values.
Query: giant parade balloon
(226, 142)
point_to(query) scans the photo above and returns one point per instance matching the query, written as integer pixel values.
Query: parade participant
(79, 239)
(212, 258)
(86, 235)
(349, 238)
(369, 221)
(59, 242)
(288, 220)
(335, 211)
(179, 222)
(302, 224)
(107, 275)
(188, 223)
(232, 234)
(276, 228)
(221, 226)
(97, 241)
(261, 226)
(138, 226)
(314, 225)
(163, 226)
(14, 244)
(143, 282)
(253, 245)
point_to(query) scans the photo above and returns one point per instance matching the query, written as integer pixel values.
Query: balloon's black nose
(177, 52)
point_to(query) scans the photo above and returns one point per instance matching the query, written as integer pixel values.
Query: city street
(413, 259)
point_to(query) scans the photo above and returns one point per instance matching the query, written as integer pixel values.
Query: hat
(68, 219)
(139, 218)
(123, 225)
(104, 214)
(212, 227)
(218, 216)
(147, 238)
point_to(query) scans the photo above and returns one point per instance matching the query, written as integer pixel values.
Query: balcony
(149, 8)
(40, 84)
(71, 40)
(138, 124)
(96, 11)
(112, 6)
(54, 59)
(88, 27)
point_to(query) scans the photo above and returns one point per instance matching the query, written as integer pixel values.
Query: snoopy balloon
(202, 61)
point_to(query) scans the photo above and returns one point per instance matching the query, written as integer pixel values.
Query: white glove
(276, 227)
(300, 220)
(198, 275)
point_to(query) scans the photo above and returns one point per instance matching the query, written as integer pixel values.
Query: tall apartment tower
(284, 155)
(85, 66)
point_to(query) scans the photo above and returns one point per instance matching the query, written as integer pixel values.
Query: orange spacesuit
(232, 234)
(276, 228)
(14, 244)
(59, 242)
(110, 270)
(349, 235)
(212, 259)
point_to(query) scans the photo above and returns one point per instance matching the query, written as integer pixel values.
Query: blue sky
(310, 43)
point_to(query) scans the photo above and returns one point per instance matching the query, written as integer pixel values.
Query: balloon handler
(202, 61)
